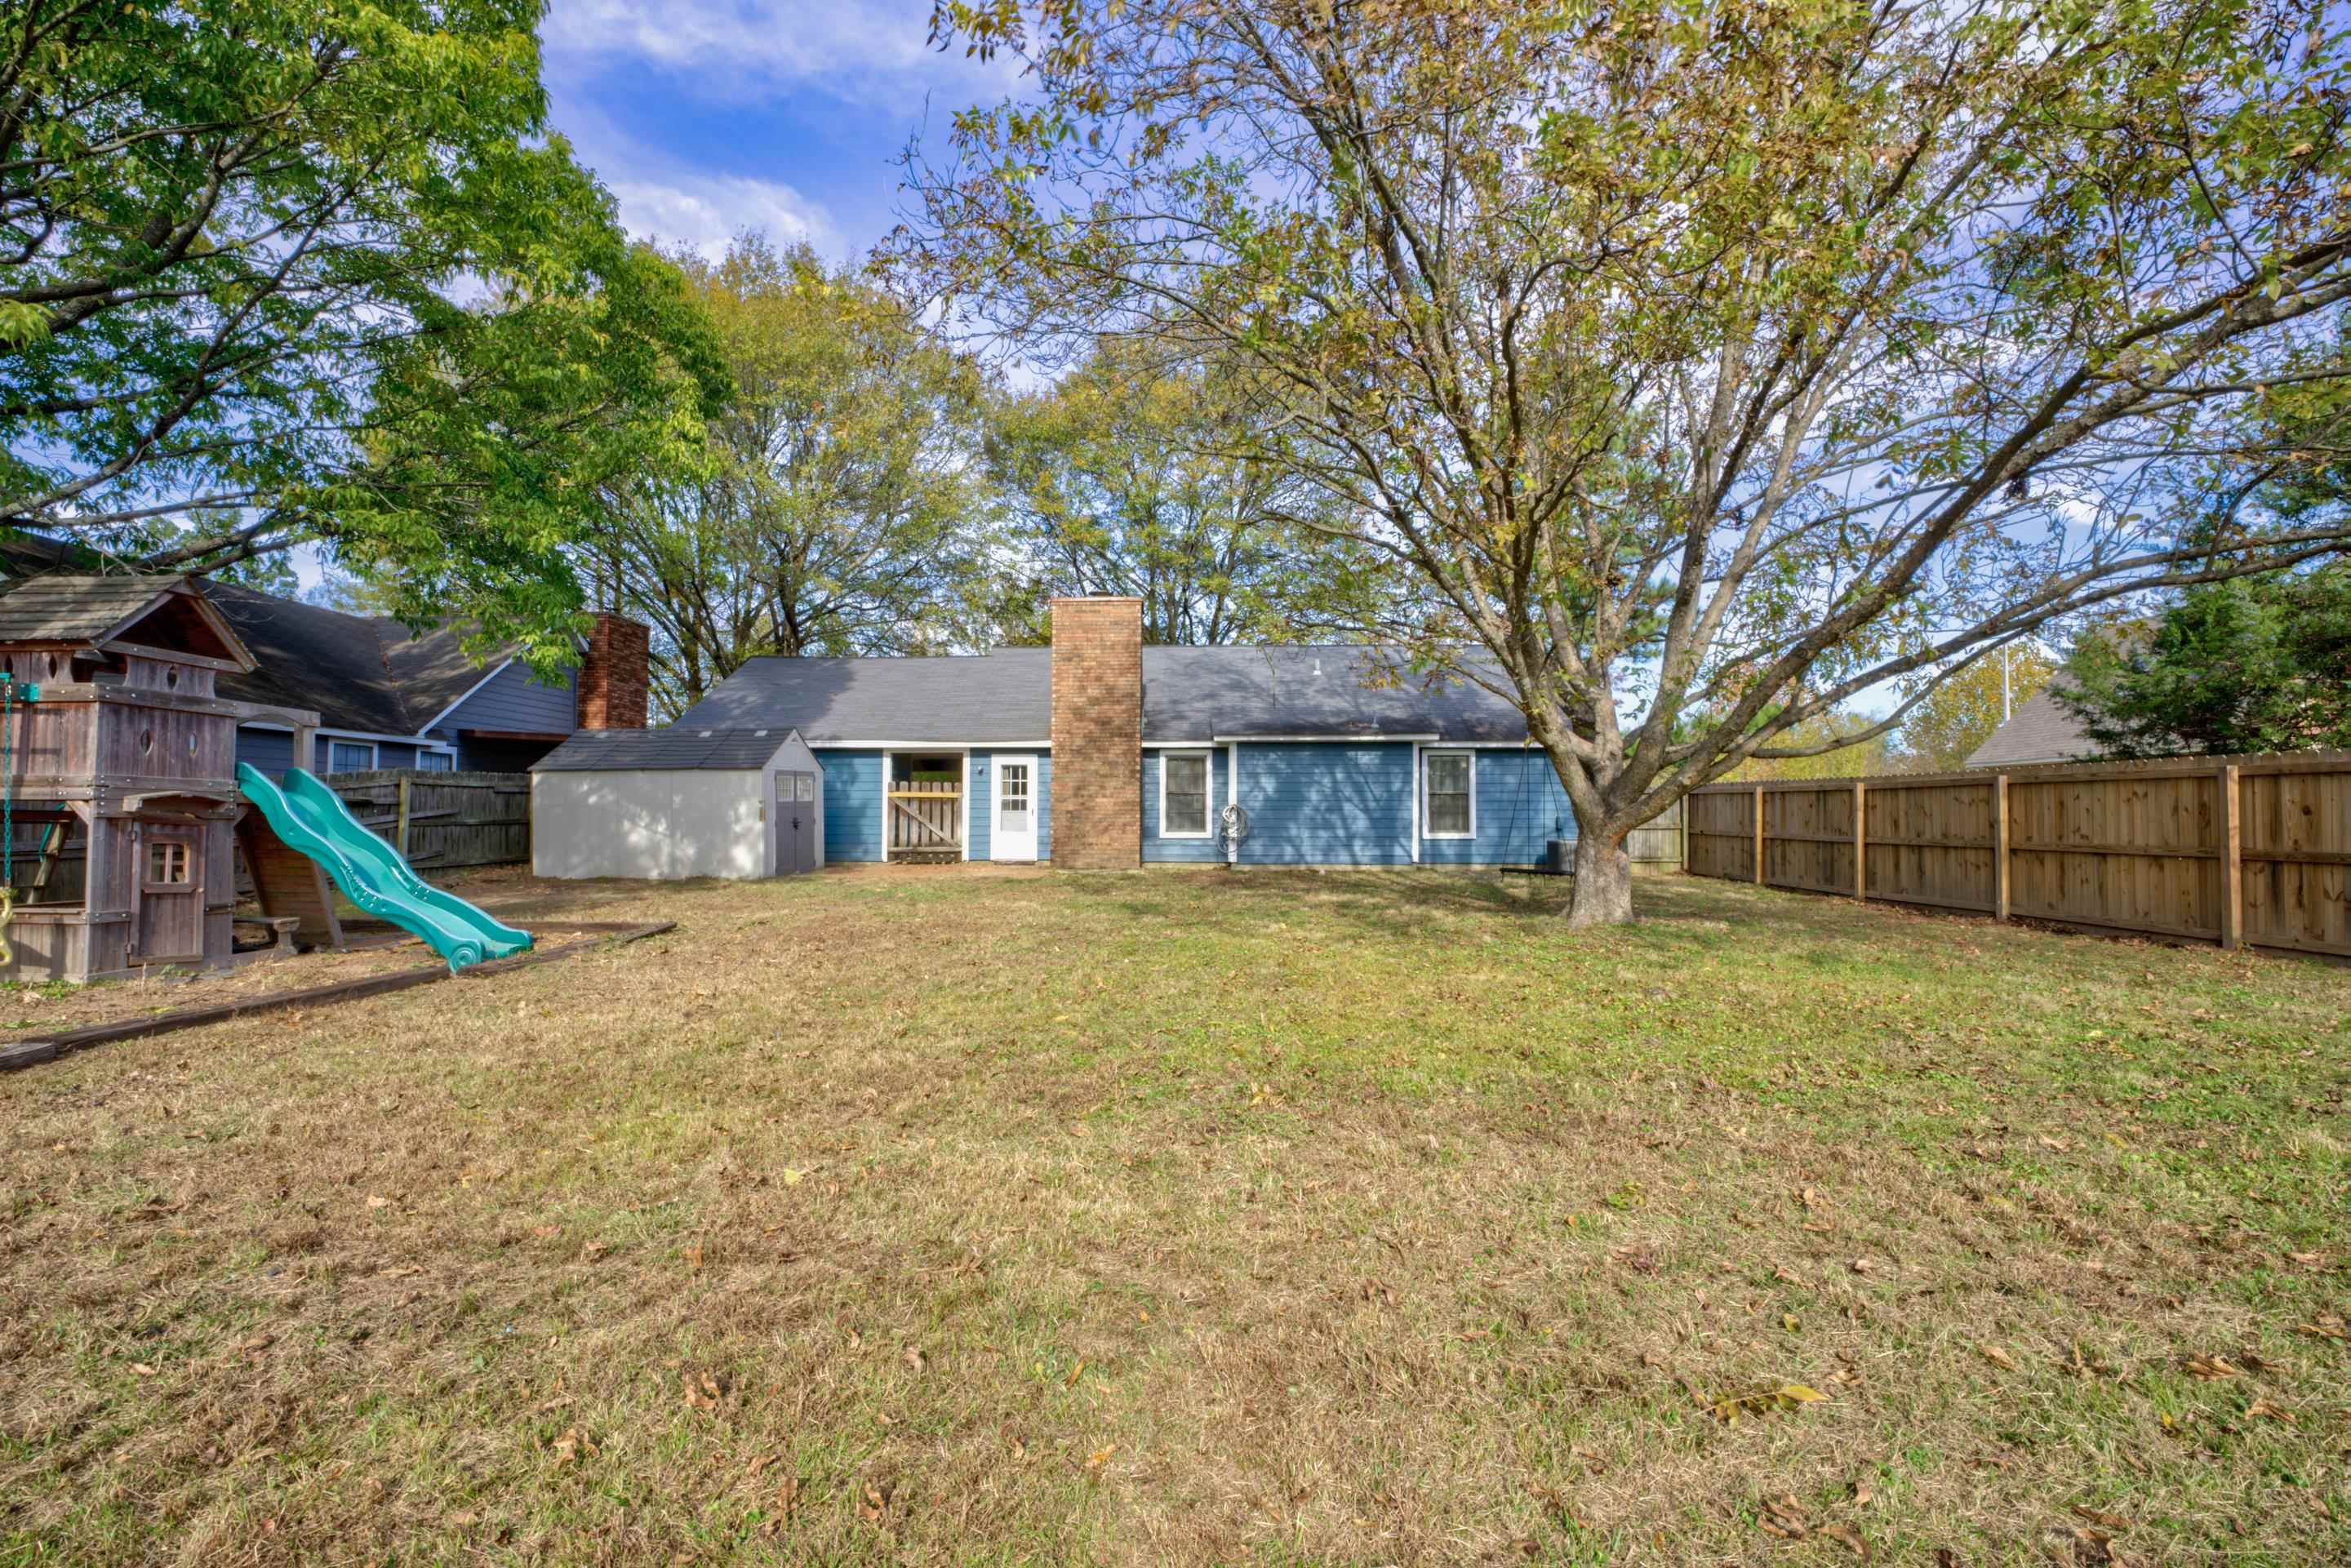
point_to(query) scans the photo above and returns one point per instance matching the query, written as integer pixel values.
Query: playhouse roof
(169, 614)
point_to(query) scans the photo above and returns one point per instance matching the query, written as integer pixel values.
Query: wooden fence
(2240, 850)
(439, 822)
(1660, 841)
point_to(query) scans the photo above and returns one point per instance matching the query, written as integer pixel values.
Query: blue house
(386, 699)
(1102, 752)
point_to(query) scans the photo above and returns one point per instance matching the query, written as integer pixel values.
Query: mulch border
(31, 1052)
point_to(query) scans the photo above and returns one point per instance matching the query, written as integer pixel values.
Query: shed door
(171, 919)
(795, 818)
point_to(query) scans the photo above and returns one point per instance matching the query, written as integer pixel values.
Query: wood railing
(925, 817)
(2240, 850)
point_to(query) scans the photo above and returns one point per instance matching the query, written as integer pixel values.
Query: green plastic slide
(309, 818)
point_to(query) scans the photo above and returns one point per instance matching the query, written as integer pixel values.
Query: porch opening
(925, 807)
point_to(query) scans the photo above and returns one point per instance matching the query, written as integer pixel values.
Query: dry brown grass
(1188, 1218)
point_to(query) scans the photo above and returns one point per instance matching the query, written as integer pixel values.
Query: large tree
(1131, 476)
(313, 271)
(1705, 364)
(838, 510)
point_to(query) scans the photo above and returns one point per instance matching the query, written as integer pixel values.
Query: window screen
(1448, 794)
(350, 755)
(436, 761)
(1186, 797)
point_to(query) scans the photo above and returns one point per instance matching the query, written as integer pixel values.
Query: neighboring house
(385, 698)
(388, 699)
(2041, 729)
(1096, 752)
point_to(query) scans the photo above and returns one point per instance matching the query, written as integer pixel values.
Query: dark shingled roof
(2040, 729)
(1188, 693)
(988, 697)
(360, 672)
(675, 750)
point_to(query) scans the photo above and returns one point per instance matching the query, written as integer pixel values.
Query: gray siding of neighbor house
(271, 751)
(512, 699)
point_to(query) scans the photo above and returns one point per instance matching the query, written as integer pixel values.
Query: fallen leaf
(693, 1258)
(793, 1177)
(2269, 1409)
(1075, 1373)
(1846, 1535)
(2321, 1331)
(1997, 1357)
(914, 1357)
(144, 1369)
(2210, 1368)
(1779, 1516)
(1100, 1456)
(2111, 1521)
(375, 1202)
(870, 1504)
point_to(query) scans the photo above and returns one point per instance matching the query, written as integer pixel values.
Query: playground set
(122, 808)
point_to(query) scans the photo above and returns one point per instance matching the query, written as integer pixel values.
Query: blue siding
(271, 751)
(1521, 804)
(852, 805)
(514, 699)
(1327, 803)
(1177, 851)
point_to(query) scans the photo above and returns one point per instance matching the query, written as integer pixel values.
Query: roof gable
(165, 616)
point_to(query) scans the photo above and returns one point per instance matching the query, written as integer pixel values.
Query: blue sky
(709, 117)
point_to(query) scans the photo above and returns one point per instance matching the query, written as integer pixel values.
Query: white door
(1013, 836)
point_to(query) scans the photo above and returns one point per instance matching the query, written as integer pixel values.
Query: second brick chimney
(615, 682)
(1097, 733)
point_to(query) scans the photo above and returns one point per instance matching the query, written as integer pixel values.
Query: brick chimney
(1097, 733)
(615, 682)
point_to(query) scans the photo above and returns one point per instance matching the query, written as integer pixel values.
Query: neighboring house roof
(1189, 695)
(675, 750)
(2041, 729)
(360, 672)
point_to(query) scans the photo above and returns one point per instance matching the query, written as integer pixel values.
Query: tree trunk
(1604, 882)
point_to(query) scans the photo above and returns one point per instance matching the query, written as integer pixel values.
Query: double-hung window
(350, 755)
(1183, 794)
(1449, 810)
(436, 761)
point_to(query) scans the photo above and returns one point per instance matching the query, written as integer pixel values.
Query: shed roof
(1188, 693)
(677, 749)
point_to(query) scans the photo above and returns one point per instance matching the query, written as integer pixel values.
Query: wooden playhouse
(119, 764)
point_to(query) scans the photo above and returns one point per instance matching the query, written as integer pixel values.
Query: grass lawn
(1190, 1217)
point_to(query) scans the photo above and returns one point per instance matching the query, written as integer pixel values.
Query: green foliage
(1869, 754)
(2249, 665)
(1130, 476)
(838, 507)
(1959, 712)
(1700, 367)
(315, 271)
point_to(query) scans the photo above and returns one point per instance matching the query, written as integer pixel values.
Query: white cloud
(703, 211)
(866, 50)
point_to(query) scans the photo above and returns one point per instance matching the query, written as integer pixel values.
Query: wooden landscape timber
(49, 1047)
(2243, 852)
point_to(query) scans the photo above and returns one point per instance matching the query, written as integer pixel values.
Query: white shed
(665, 803)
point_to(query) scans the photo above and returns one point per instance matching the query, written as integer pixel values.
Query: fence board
(2253, 849)
(451, 818)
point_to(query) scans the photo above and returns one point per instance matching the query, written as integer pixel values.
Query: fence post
(1999, 845)
(1759, 835)
(1686, 833)
(400, 831)
(2233, 864)
(1860, 841)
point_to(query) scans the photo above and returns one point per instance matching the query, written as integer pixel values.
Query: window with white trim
(350, 755)
(1449, 810)
(436, 761)
(1183, 794)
